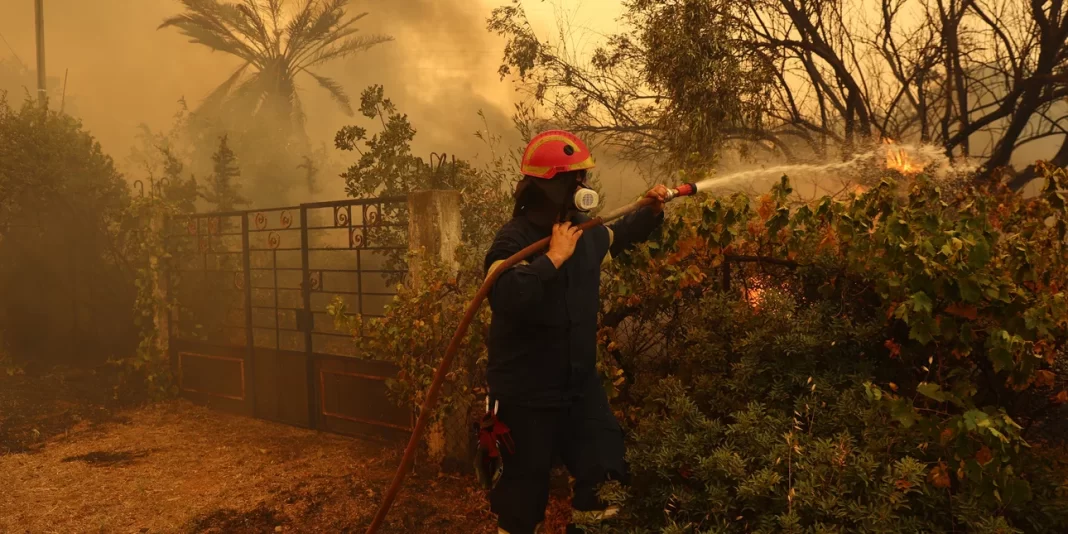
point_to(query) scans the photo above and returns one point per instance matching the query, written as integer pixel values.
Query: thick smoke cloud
(122, 71)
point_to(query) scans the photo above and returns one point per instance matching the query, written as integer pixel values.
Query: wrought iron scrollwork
(286, 219)
(315, 280)
(260, 220)
(139, 186)
(342, 215)
(191, 227)
(274, 240)
(372, 215)
(239, 280)
(160, 186)
(356, 238)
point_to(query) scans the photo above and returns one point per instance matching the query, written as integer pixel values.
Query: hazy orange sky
(441, 69)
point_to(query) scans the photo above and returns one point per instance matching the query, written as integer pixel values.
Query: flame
(753, 293)
(899, 160)
(755, 297)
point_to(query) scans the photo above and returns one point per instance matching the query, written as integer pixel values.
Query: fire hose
(457, 338)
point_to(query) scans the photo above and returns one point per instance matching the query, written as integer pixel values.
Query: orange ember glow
(755, 297)
(897, 159)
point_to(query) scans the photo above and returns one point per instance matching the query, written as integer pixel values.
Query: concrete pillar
(434, 231)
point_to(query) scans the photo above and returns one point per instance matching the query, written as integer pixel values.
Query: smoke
(122, 72)
(441, 70)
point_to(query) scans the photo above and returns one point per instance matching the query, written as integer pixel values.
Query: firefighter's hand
(659, 193)
(562, 243)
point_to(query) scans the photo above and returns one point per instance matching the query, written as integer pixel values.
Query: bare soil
(73, 461)
(49, 402)
(177, 467)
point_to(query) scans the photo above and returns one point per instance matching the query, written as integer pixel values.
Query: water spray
(906, 159)
(472, 308)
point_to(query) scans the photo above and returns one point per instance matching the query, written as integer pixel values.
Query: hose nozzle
(683, 190)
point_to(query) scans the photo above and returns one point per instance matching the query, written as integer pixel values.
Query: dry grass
(176, 467)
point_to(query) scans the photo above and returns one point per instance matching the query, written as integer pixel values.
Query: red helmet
(555, 151)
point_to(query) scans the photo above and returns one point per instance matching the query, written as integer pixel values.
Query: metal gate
(251, 333)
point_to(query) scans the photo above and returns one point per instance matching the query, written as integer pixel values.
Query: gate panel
(282, 386)
(279, 351)
(213, 375)
(251, 332)
(209, 346)
(354, 399)
(356, 252)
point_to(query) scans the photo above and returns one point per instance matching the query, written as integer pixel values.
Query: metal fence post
(309, 320)
(250, 339)
(161, 315)
(168, 282)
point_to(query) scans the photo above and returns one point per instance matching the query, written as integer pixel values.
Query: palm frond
(245, 25)
(201, 31)
(334, 34)
(274, 11)
(336, 91)
(215, 100)
(329, 16)
(205, 23)
(296, 109)
(250, 29)
(321, 24)
(296, 30)
(345, 48)
(252, 25)
(247, 99)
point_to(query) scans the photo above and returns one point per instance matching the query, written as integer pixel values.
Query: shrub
(888, 363)
(415, 331)
(417, 326)
(62, 266)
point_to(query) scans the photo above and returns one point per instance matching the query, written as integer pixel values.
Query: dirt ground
(69, 463)
(48, 402)
(176, 467)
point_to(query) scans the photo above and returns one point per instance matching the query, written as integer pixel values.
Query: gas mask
(585, 199)
(556, 199)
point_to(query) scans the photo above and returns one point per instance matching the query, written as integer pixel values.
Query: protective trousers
(584, 434)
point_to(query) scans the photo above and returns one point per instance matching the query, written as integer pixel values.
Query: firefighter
(546, 398)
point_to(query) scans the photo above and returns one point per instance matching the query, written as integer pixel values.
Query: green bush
(63, 267)
(415, 331)
(78, 256)
(888, 363)
(417, 326)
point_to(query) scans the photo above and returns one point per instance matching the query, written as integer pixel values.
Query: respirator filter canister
(586, 199)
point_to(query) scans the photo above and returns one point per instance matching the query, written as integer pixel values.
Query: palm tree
(273, 52)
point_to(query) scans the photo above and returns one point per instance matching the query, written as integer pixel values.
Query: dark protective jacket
(543, 334)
